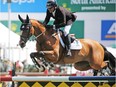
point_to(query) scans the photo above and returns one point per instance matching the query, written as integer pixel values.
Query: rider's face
(51, 9)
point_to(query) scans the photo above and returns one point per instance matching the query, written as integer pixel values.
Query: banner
(24, 5)
(89, 5)
(108, 30)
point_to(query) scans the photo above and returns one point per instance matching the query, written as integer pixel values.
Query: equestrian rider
(63, 18)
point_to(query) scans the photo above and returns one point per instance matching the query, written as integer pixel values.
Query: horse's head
(25, 31)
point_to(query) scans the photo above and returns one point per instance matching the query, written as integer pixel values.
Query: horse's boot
(68, 45)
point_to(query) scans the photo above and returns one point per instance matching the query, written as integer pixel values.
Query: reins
(43, 33)
(40, 34)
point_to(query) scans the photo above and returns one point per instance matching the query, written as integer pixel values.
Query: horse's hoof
(42, 69)
(52, 65)
(32, 55)
(113, 73)
(46, 64)
(41, 53)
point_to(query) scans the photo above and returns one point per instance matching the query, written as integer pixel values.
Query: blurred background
(96, 19)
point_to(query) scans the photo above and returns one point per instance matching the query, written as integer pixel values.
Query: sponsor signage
(24, 5)
(73, 5)
(89, 5)
(108, 31)
(77, 27)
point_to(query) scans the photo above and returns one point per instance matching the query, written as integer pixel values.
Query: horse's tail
(108, 56)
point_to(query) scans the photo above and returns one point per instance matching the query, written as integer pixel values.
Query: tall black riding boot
(68, 45)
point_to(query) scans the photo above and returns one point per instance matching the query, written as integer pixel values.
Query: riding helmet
(51, 4)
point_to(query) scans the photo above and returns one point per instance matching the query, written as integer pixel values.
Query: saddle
(75, 43)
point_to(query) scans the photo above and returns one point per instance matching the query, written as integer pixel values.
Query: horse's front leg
(36, 54)
(51, 55)
(34, 57)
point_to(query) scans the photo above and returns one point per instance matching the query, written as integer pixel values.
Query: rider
(63, 18)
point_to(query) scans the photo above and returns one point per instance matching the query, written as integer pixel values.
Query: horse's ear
(20, 18)
(27, 19)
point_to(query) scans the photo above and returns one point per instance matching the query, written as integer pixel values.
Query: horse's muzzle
(22, 44)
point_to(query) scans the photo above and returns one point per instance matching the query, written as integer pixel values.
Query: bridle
(28, 35)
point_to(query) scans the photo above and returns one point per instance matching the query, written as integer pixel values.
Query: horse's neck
(46, 34)
(38, 27)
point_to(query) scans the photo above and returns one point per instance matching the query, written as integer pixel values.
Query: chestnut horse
(91, 56)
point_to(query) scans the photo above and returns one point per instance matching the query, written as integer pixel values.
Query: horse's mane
(34, 20)
(37, 23)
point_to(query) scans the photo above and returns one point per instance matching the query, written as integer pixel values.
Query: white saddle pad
(76, 45)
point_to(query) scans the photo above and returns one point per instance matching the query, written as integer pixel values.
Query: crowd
(6, 65)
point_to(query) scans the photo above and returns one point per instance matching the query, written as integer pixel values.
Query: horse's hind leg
(98, 70)
(82, 66)
(95, 72)
(104, 64)
(97, 61)
(98, 66)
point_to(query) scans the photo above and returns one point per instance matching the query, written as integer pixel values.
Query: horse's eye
(23, 26)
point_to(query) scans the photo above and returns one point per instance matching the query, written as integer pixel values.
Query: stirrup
(69, 53)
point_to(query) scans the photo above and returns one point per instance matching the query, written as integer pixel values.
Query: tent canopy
(8, 37)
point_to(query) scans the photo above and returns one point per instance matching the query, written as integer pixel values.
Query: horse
(92, 55)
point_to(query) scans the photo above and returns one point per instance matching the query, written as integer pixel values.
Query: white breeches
(67, 29)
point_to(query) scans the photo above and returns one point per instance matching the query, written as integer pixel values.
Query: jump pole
(65, 78)
(60, 78)
(62, 81)
(65, 81)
